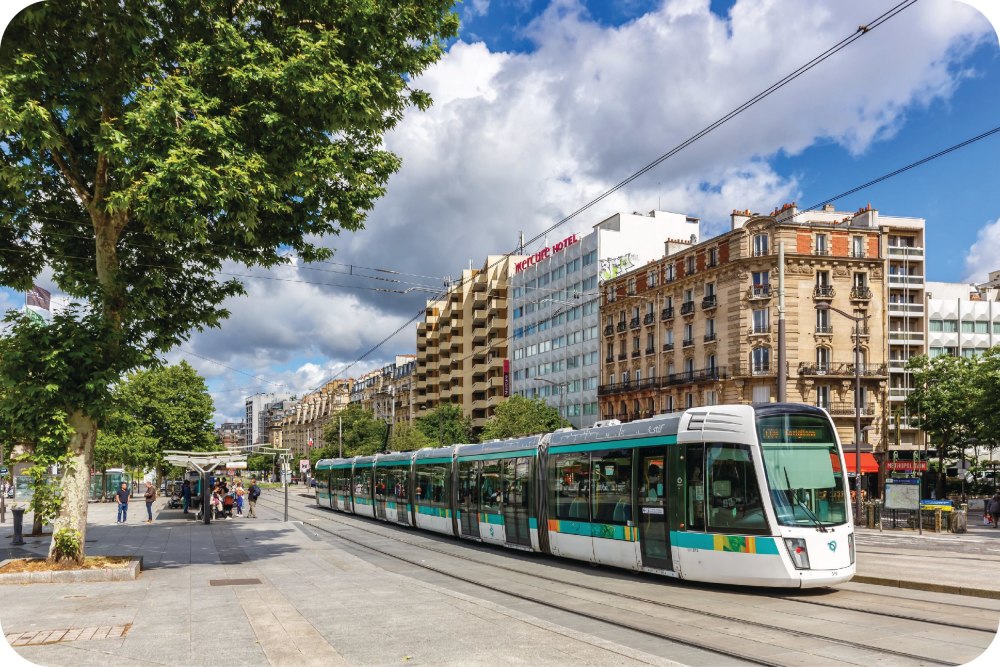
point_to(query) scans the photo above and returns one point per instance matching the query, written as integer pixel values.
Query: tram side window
(611, 496)
(734, 503)
(571, 486)
(362, 484)
(695, 459)
(490, 486)
(430, 486)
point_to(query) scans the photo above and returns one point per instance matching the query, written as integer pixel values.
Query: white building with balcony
(963, 320)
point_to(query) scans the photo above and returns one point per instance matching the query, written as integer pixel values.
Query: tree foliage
(363, 434)
(145, 145)
(519, 416)
(407, 438)
(444, 426)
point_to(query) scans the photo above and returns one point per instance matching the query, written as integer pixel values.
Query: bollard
(18, 523)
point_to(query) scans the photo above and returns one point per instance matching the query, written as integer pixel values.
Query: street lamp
(822, 305)
(562, 391)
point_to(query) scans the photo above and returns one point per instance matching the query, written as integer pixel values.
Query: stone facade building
(700, 325)
(306, 419)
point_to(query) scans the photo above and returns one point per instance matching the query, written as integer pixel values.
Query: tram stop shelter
(205, 463)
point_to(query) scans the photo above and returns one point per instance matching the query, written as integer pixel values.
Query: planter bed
(37, 571)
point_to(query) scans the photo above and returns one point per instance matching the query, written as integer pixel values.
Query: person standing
(252, 495)
(240, 492)
(149, 496)
(994, 508)
(186, 494)
(122, 496)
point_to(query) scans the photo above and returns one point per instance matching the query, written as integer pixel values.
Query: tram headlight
(797, 550)
(850, 543)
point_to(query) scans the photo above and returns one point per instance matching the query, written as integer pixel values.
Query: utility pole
(782, 343)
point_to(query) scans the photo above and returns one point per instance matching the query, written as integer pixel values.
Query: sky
(541, 105)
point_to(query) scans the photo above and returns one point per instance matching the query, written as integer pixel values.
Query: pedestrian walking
(186, 494)
(240, 492)
(252, 495)
(149, 496)
(122, 496)
(994, 508)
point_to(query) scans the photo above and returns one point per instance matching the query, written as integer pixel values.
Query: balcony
(842, 369)
(897, 280)
(824, 292)
(759, 330)
(497, 305)
(479, 316)
(668, 347)
(899, 393)
(688, 342)
(622, 357)
(608, 330)
(826, 330)
(896, 308)
(650, 350)
(687, 377)
(609, 359)
(687, 308)
(755, 292)
(635, 353)
(649, 319)
(710, 338)
(905, 251)
(622, 326)
(906, 337)
(667, 314)
(709, 302)
(821, 252)
(861, 294)
(755, 370)
(843, 409)
(634, 323)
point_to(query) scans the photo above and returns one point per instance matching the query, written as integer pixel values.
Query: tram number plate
(652, 510)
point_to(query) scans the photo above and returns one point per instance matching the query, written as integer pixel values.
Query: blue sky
(539, 105)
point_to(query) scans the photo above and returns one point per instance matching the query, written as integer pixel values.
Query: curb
(128, 573)
(926, 586)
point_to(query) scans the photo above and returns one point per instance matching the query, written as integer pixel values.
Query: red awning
(868, 462)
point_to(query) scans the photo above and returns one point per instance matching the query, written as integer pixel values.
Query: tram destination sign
(906, 466)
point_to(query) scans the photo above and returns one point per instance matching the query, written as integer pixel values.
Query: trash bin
(18, 525)
(958, 521)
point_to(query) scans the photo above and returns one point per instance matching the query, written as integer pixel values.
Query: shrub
(67, 544)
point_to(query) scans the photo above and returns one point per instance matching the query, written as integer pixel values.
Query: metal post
(285, 473)
(340, 437)
(782, 347)
(206, 499)
(18, 526)
(857, 417)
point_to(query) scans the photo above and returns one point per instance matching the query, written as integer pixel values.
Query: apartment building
(258, 418)
(555, 306)
(462, 344)
(963, 320)
(699, 325)
(305, 419)
(231, 435)
(385, 391)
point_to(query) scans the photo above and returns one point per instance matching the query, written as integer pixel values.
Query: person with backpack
(994, 508)
(253, 494)
(150, 496)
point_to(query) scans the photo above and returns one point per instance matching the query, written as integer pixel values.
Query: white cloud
(984, 255)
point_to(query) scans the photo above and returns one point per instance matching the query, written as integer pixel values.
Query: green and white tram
(735, 494)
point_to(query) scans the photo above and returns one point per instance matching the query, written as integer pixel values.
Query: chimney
(864, 217)
(740, 218)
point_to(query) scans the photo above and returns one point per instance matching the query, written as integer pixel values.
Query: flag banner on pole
(38, 297)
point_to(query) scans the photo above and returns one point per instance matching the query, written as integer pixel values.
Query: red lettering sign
(906, 466)
(545, 253)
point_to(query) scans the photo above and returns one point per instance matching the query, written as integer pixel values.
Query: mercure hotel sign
(545, 253)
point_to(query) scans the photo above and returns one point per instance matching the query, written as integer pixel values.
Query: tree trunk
(941, 472)
(36, 525)
(76, 480)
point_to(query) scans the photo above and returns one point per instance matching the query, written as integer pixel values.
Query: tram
(734, 494)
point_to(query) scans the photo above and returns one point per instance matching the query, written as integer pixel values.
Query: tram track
(310, 510)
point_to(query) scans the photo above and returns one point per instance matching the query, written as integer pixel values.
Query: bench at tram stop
(936, 516)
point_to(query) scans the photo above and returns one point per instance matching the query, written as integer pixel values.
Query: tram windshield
(799, 451)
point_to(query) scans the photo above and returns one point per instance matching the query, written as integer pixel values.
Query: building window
(759, 278)
(689, 400)
(668, 404)
(713, 256)
(822, 278)
(822, 359)
(710, 365)
(821, 245)
(762, 394)
(709, 290)
(759, 245)
(760, 360)
(823, 322)
(857, 246)
(652, 372)
(860, 280)
(711, 397)
(651, 278)
(669, 271)
(710, 328)
(949, 326)
(761, 320)
(823, 396)
(631, 285)
(689, 264)
(968, 327)
(935, 325)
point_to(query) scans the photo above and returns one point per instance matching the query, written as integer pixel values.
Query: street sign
(3, 471)
(906, 466)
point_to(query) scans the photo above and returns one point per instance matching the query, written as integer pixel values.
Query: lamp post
(562, 392)
(822, 305)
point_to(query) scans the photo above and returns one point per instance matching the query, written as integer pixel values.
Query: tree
(945, 402)
(145, 145)
(407, 438)
(519, 416)
(445, 425)
(363, 434)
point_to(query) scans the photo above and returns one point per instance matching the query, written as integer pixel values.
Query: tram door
(516, 477)
(468, 497)
(380, 492)
(654, 533)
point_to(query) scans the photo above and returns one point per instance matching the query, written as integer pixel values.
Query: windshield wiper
(809, 513)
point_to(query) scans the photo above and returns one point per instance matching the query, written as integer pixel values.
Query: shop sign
(546, 253)
(906, 466)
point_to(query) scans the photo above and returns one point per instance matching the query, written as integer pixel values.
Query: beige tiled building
(462, 344)
(307, 418)
(387, 391)
(700, 325)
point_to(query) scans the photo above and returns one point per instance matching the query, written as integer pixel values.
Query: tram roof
(394, 456)
(652, 427)
(435, 453)
(497, 446)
